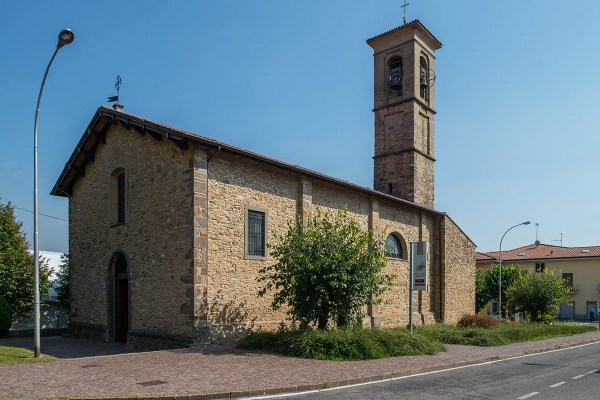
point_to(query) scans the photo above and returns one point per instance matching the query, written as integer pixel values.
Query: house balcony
(575, 288)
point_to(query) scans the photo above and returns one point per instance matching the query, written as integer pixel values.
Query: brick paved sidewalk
(218, 372)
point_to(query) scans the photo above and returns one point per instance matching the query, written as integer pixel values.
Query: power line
(44, 215)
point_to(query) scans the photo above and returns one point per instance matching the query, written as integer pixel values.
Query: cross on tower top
(404, 6)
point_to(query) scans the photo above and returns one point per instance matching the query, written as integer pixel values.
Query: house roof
(540, 252)
(105, 117)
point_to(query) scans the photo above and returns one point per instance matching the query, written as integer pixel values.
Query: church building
(168, 229)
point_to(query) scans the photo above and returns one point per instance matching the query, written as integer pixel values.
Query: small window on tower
(424, 79)
(395, 75)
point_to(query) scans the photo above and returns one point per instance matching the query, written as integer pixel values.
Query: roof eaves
(205, 141)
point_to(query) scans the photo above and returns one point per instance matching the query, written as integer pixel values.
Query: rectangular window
(121, 198)
(568, 280)
(540, 267)
(256, 233)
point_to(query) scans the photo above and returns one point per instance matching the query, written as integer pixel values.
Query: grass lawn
(15, 355)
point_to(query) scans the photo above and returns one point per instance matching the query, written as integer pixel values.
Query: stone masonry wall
(404, 148)
(458, 272)
(232, 304)
(184, 239)
(410, 225)
(154, 238)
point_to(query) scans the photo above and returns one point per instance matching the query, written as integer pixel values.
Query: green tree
(538, 294)
(16, 265)
(482, 298)
(6, 317)
(326, 270)
(63, 280)
(509, 275)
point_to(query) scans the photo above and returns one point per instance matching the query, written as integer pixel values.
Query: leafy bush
(548, 318)
(326, 271)
(343, 344)
(6, 316)
(538, 294)
(477, 321)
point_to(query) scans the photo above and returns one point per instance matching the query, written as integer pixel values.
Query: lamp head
(526, 223)
(65, 37)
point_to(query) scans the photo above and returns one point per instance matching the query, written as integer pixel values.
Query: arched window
(121, 265)
(424, 79)
(393, 247)
(395, 74)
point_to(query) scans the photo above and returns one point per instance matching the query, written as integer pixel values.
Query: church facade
(168, 229)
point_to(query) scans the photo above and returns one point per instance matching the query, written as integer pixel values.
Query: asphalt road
(572, 374)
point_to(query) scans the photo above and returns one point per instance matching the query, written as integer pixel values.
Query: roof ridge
(109, 112)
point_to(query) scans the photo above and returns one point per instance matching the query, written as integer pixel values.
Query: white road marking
(293, 394)
(592, 371)
(528, 395)
(578, 376)
(557, 384)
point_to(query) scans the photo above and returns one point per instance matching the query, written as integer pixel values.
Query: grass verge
(343, 344)
(15, 355)
(364, 344)
(505, 333)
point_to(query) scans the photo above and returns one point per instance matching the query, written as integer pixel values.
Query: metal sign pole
(410, 293)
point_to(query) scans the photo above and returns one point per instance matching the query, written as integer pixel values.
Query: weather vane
(404, 6)
(113, 99)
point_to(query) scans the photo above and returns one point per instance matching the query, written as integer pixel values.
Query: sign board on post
(418, 265)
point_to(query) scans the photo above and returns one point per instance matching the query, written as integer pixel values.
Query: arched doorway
(121, 299)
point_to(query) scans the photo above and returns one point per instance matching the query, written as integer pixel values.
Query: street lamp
(65, 37)
(500, 280)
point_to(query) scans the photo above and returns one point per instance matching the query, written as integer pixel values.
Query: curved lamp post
(65, 37)
(500, 260)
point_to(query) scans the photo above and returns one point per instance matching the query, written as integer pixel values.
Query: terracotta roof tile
(540, 252)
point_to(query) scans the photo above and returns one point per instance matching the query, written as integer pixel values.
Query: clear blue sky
(517, 89)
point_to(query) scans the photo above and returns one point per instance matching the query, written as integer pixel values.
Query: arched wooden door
(121, 299)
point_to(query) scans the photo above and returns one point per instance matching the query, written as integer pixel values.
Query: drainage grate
(151, 383)
(90, 366)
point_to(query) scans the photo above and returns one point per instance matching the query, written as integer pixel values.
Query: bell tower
(404, 111)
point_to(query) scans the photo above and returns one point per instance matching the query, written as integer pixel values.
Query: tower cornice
(416, 24)
(415, 99)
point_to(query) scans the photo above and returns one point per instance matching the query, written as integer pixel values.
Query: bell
(395, 82)
(424, 83)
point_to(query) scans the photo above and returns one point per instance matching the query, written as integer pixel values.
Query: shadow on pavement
(63, 347)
